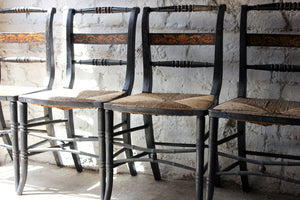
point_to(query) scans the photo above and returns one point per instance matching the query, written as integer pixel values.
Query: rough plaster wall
(266, 85)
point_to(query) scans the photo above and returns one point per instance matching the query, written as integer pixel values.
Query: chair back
(77, 40)
(45, 36)
(266, 41)
(156, 39)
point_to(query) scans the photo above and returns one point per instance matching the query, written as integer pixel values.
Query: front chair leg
(23, 146)
(127, 140)
(109, 153)
(213, 153)
(101, 137)
(15, 142)
(200, 131)
(242, 153)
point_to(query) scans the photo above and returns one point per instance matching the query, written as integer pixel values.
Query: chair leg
(109, 153)
(127, 140)
(5, 137)
(242, 153)
(102, 157)
(15, 142)
(71, 134)
(23, 147)
(51, 132)
(213, 153)
(200, 131)
(150, 144)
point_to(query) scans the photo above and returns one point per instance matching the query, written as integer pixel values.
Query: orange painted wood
(120, 38)
(273, 40)
(21, 37)
(182, 39)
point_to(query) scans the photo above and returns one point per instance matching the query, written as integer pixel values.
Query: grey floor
(50, 182)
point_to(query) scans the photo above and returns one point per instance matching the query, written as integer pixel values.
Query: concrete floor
(50, 182)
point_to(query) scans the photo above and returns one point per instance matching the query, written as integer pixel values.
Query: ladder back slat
(102, 10)
(22, 10)
(276, 67)
(120, 38)
(276, 6)
(100, 62)
(23, 59)
(184, 8)
(21, 37)
(275, 40)
(182, 39)
(182, 64)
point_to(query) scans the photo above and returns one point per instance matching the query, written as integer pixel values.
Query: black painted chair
(258, 110)
(68, 98)
(149, 103)
(38, 34)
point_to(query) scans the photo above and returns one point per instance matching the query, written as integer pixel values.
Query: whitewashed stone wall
(284, 139)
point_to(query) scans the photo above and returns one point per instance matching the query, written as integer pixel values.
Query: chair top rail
(276, 6)
(103, 10)
(276, 67)
(26, 10)
(23, 59)
(182, 64)
(275, 40)
(100, 62)
(184, 8)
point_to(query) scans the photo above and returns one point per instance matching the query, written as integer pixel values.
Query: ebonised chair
(68, 98)
(40, 35)
(258, 110)
(150, 103)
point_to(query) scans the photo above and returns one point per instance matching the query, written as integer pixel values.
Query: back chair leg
(5, 137)
(242, 153)
(109, 153)
(200, 131)
(15, 142)
(102, 157)
(151, 144)
(213, 153)
(51, 132)
(71, 134)
(23, 147)
(127, 140)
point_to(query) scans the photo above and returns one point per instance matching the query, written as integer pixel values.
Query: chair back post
(70, 68)
(205, 39)
(22, 37)
(128, 39)
(49, 47)
(130, 69)
(147, 82)
(267, 40)
(218, 68)
(242, 87)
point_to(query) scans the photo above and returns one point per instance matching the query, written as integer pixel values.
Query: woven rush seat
(7, 91)
(261, 107)
(69, 98)
(147, 102)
